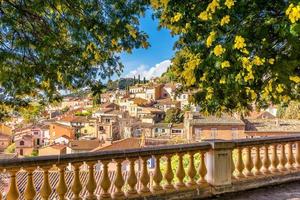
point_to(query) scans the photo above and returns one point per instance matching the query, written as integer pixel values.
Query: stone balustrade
(177, 171)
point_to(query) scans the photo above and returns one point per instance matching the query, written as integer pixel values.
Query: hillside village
(131, 118)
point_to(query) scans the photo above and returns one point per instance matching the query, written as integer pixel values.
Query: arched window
(21, 142)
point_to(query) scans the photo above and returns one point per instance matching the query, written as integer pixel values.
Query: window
(162, 130)
(21, 152)
(198, 132)
(21, 143)
(85, 131)
(213, 133)
(156, 130)
(38, 141)
(35, 132)
(107, 120)
(101, 128)
(234, 133)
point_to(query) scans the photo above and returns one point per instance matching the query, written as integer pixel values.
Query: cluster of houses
(133, 118)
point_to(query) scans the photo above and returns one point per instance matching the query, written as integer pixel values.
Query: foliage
(65, 109)
(235, 54)
(32, 112)
(174, 115)
(291, 111)
(83, 113)
(167, 76)
(11, 148)
(49, 46)
(121, 84)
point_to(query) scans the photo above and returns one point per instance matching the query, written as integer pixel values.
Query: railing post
(202, 169)
(157, 176)
(131, 179)
(297, 157)
(91, 184)
(191, 170)
(169, 175)
(219, 161)
(13, 192)
(30, 192)
(61, 188)
(45, 191)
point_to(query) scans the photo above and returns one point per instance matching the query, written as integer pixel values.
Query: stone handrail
(263, 156)
(212, 167)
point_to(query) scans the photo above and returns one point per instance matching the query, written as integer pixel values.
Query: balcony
(189, 171)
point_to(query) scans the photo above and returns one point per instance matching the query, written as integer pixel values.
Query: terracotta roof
(167, 101)
(140, 101)
(216, 120)
(152, 110)
(128, 143)
(62, 125)
(56, 146)
(70, 118)
(272, 125)
(63, 136)
(84, 144)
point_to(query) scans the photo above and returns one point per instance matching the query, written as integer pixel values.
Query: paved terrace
(189, 171)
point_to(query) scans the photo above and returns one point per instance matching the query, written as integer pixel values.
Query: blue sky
(154, 60)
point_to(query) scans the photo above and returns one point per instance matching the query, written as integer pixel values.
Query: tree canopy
(235, 54)
(174, 115)
(54, 45)
(231, 54)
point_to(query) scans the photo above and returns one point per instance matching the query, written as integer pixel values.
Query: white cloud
(152, 72)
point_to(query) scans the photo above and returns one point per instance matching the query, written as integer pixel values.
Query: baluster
(131, 179)
(105, 181)
(76, 186)
(13, 192)
(202, 169)
(157, 177)
(29, 192)
(119, 180)
(290, 157)
(61, 187)
(91, 184)
(46, 188)
(191, 170)
(257, 161)
(169, 175)
(239, 164)
(144, 178)
(298, 155)
(248, 162)
(180, 173)
(283, 159)
(274, 159)
(266, 160)
(232, 166)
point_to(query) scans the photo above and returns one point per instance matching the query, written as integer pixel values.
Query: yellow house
(89, 128)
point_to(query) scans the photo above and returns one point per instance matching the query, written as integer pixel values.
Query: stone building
(198, 127)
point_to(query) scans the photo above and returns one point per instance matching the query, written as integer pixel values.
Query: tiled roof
(166, 101)
(71, 118)
(272, 125)
(216, 120)
(62, 125)
(128, 143)
(84, 144)
(56, 146)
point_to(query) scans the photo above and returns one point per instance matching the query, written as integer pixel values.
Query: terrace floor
(288, 191)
